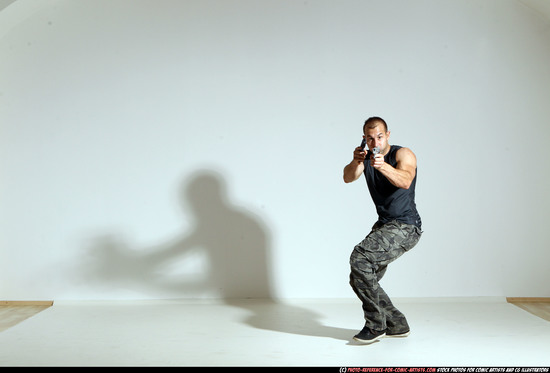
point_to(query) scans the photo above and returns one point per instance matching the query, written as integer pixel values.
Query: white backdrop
(194, 148)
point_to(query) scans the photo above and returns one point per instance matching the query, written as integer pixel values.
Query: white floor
(445, 332)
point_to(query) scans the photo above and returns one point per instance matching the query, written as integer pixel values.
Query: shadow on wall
(235, 246)
(224, 255)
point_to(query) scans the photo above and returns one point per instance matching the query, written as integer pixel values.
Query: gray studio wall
(169, 149)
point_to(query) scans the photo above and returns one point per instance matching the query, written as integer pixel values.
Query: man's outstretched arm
(403, 173)
(356, 167)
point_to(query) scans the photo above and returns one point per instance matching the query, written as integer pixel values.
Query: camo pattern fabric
(369, 261)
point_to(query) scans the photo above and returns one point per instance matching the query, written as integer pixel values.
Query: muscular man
(391, 179)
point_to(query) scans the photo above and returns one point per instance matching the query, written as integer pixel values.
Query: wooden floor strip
(527, 300)
(14, 312)
(26, 302)
(539, 307)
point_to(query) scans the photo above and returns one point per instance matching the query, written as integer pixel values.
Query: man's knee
(360, 262)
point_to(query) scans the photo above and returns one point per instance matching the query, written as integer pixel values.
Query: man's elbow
(406, 184)
(350, 178)
(406, 180)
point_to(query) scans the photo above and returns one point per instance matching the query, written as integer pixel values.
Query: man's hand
(355, 168)
(377, 161)
(359, 155)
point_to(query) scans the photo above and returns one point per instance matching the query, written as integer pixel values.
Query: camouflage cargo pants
(369, 260)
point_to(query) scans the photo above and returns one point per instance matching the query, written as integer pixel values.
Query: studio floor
(444, 332)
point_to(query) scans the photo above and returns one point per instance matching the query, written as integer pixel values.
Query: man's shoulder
(402, 149)
(403, 153)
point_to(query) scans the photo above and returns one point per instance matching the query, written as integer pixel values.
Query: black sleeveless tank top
(392, 203)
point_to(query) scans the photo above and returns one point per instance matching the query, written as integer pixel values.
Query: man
(391, 179)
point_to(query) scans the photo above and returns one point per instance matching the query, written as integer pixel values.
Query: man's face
(377, 137)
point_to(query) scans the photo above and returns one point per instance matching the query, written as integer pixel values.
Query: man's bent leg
(364, 283)
(368, 263)
(396, 322)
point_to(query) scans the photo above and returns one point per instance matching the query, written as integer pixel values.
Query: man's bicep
(406, 161)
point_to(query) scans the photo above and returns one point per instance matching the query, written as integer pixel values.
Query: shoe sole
(369, 341)
(403, 335)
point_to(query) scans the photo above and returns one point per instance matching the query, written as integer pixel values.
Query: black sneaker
(368, 336)
(398, 334)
